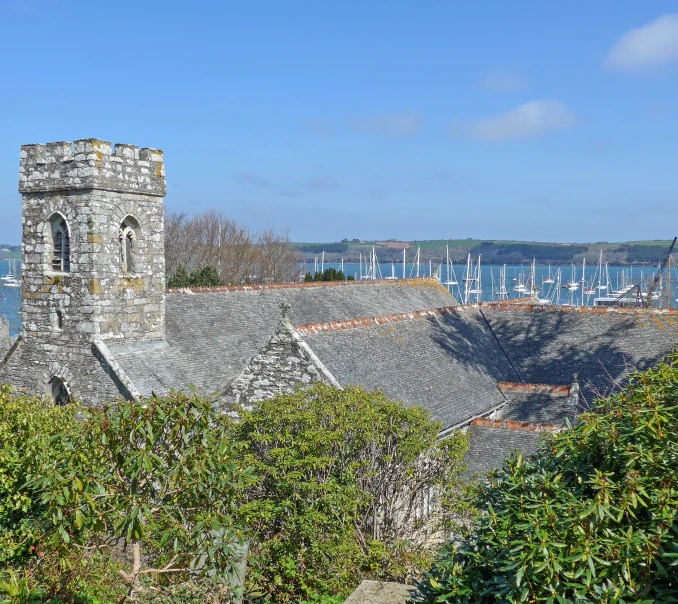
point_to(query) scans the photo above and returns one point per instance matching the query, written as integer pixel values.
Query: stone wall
(5, 337)
(93, 188)
(284, 364)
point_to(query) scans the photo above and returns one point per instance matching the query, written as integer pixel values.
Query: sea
(615, 277)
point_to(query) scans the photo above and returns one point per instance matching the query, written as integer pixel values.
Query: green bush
(128, 499)
(593, 516)
(205, 276)
(338, 475)
(34, 436)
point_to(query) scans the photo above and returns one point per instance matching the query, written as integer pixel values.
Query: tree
(206, 276)
(593, 516)
(179, 279)
(340, 475)
(330, 274)
(240, 255)
(157, 476)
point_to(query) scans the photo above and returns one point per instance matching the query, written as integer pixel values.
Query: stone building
(93, 264)
(98, 323)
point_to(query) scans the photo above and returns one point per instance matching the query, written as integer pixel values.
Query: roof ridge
(511, 424)
(503, 305)
(344, 324)
(533, 387)
(299, 285)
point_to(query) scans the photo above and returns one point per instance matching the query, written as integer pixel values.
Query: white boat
(550, 278)
(11, 279)
(451, 276)
(471, 280)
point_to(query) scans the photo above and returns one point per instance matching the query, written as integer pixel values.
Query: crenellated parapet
(91, 164)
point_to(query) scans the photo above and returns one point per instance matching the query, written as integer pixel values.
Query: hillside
(492, 251)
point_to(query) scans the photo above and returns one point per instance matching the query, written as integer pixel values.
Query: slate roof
(537, 408)
(212, 335)
(489, 446)
(549, 345)
(446, 362)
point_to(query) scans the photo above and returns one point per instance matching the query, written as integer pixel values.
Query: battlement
(91, 164)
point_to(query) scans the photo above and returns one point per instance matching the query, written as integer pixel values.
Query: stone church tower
(93, 263)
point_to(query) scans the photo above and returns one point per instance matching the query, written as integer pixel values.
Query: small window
(60, 391)
(61, 245)
(128, 243)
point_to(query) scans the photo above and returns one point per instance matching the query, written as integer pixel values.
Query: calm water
(490, 279)
(10, 298)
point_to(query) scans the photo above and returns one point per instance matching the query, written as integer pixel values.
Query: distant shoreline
(629, 253)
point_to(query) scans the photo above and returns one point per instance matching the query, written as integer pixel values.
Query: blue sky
(553, 121)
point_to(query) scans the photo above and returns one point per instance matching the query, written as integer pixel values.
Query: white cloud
(651, 45)
(503, 81)
(530, 120)
(393, 124)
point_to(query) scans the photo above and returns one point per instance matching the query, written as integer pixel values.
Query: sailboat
(11, 278)
(501, 292)
(521, 288)
(450, 279)
(550, 278)
(472, 285)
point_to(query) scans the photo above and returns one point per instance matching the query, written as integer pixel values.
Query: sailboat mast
(404, 264)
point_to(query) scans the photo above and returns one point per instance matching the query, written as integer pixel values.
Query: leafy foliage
(329, 274)
(206, 276)
(339, 478)
(515, 253)
(34, 436)
(592, 517)
(318, 248)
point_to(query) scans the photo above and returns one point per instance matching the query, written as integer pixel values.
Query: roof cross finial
(285, 308)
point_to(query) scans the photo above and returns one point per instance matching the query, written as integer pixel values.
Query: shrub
(34, 436)
(593, 516)
(157, 477)
(339, 474)
(205, 276)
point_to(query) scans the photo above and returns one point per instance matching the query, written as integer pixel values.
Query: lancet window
(61, 245)
(128, 243)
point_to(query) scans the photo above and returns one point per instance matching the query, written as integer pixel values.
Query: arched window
(128, 243)
(61, 244)
(60, 391)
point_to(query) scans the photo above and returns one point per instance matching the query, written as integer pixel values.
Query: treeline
(646, 254)
(238, 255)
(517, 253)
(319, 248)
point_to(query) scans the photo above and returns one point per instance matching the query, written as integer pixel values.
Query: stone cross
(285, 308)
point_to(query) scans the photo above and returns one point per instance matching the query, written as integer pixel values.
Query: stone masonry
(284, 364)
(93, 262)
(5, 337)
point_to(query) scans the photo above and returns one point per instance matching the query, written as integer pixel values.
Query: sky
(551, 121)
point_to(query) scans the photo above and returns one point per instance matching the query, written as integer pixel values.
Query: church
(98, 322)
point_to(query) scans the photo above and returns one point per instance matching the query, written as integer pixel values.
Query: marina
(598, 284)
